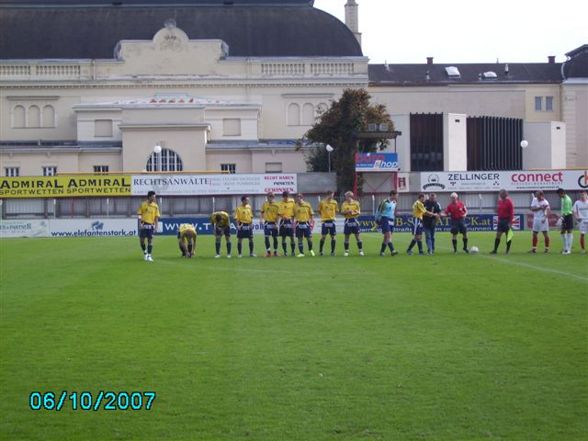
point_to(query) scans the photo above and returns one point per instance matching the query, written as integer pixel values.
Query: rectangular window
(50, 170)
(426, 141)
(538, 103)
(549, 104)
(230, 168)
(103, 128)
(12, 172)
(273, 167)
(100, 169)
(231, 127)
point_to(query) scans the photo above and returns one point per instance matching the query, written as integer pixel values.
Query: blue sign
(475, 222)
(376, 162)
(171, 225)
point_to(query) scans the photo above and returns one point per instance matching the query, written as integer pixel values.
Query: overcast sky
(467, 31)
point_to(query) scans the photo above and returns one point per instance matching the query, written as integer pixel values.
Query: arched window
(166, 161)
(34, 117)
(308, 115)
(293, 114)
(18, 117)
(48, 116)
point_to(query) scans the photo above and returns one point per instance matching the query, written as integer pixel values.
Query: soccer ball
(474, 250)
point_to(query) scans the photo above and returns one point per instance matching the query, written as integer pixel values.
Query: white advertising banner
(188, 185)
(509, 180)
(93, 227)
(24, 228)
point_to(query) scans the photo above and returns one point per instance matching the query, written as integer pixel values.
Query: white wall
(455, 148)
(547, 145)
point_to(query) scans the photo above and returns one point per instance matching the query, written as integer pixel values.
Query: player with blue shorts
(418, 213)
(386, 215)
(328, 210)
(350, 208)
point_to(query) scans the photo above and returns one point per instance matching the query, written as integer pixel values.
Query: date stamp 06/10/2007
(88, 401)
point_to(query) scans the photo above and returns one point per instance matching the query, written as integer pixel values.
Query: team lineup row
(291, 219)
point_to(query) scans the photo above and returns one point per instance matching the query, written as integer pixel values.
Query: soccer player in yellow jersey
(418, 212)
(222, 226)
(328, 210)
(286, 215)
(351, 210)
(148, 217)
(187, 239)
(269, 217)
(303, 215)
(244, 218)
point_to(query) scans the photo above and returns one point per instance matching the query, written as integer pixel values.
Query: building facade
(94, 86)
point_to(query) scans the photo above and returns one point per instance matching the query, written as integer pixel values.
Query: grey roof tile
(271, 29)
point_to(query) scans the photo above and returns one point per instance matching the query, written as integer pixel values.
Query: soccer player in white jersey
(540, 209)
(581, 214)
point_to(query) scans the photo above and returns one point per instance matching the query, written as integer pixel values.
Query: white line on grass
(536, 267)
(522, 264)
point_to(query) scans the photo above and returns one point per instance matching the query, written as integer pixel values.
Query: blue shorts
(270, 229)
(245, 231)
(286, 228)
(146, 231)
(387, 225)
(351, 226)
(226, 231)
(303, 230)
(328, 227)
(417, 226)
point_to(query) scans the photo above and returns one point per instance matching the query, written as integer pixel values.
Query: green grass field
(464, 347)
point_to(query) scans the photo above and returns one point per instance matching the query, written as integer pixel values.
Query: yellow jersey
(286, 208)
(303, 212)
(418, 210)
(187, 229)
(269, 211)
(223, 222)
(244, 214)
(328, 209)
(149, 212)
(350, 209)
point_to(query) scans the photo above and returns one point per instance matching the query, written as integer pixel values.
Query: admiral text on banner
(65, 186)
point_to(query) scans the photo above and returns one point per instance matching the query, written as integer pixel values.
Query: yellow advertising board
(65, 186)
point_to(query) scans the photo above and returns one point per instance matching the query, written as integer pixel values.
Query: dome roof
(78, 29)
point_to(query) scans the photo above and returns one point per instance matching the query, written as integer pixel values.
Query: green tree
(338, 126)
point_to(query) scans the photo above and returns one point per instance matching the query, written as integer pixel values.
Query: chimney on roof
(429, 60)
(551, 59)
(352, 19)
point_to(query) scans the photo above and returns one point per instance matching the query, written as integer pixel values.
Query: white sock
(570, 241)
(564, 241)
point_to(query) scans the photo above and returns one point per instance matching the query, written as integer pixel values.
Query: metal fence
(176, 206)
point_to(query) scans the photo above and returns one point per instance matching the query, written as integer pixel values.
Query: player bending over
(187, 240)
